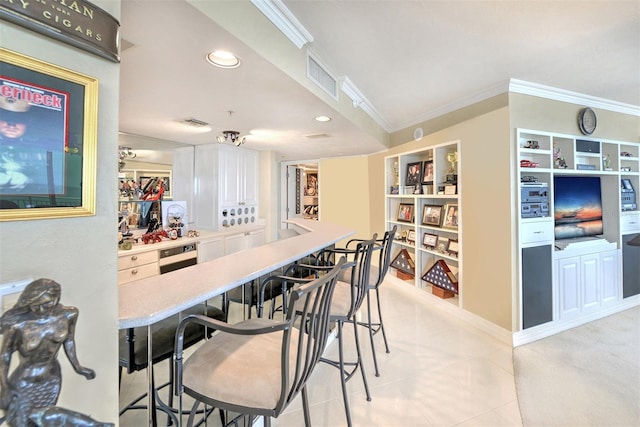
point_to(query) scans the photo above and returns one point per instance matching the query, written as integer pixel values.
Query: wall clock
(587, 121)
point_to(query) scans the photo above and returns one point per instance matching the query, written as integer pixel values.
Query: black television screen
(577, 206)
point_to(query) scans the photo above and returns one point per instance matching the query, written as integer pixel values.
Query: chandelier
(231, 136)
(123, 153)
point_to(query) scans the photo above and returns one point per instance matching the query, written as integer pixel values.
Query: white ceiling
(412, 60)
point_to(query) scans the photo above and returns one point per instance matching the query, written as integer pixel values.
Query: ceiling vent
(317, 136)
(194, 122)
(321, 77)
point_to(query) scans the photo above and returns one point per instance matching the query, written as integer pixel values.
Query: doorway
(301, 191)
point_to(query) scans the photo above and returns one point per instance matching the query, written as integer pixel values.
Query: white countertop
(167, 243)
(147, 301)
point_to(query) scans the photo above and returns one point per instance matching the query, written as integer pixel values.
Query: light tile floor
(440, 372)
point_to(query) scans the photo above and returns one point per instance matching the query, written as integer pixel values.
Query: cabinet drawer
(630, 222)
(135, 260)
(136, 273)
(534, 232)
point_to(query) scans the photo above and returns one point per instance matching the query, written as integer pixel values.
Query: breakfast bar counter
(149, 300)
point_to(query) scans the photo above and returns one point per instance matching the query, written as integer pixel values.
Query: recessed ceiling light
(223, 59)
(322, 118)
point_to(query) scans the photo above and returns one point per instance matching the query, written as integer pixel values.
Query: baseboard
(497, 332)
(546, 330)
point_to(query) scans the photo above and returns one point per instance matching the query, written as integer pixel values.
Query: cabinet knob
(134, 258)
(134, 272)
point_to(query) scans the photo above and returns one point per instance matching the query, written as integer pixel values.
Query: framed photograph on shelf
(414, 173)
(405, 212)
(430, 241)
(453, 248)
(443, 244)
(53, 160)
(450, 219)
(411, 237)
(431, 215)
(427, 172)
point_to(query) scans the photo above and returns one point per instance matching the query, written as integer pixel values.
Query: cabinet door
(210, 249)
(229, 176)
(205, 187)
(255, 238)
(234, 243)
(590, 275)
(568, 274)
(249, 179)
(610, 278)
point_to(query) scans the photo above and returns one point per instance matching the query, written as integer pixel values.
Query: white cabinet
(610, 277)
(210, 249)
(587, 271)
(568, 287)
(246, 240)
(226, 187)
(585, 283)
(137, 266)
(238, 177)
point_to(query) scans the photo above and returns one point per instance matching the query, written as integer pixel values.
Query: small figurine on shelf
(606, 162)
(558, 159)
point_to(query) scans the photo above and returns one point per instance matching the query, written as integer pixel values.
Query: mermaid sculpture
(36, 327)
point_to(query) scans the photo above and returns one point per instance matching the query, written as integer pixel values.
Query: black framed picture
(414, 173)
(430, 241)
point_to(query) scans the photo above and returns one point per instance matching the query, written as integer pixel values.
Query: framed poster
(48, 140)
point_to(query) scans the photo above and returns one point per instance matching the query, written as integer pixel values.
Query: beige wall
(79, 253)
(531, 112)
(344, 193)
(486, 209)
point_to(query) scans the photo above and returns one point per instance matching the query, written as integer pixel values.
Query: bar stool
(133, 356)
(351, 289)
(258, 366)
(376, 277)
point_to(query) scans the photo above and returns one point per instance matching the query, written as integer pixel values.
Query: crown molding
(359, 100)
(526, 88)
(456, 105)
(548, 92)
(284, 20)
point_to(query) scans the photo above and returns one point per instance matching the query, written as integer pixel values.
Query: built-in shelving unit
(565, 279)
(428, 215)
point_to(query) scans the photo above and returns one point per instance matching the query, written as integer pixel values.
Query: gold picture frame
(52, 171)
